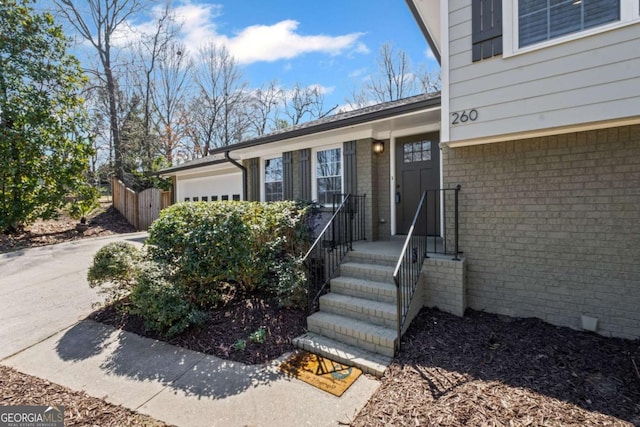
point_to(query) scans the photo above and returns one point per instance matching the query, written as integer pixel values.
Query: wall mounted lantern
(378, 147)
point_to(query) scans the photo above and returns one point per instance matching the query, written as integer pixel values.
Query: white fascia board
(210, 170)
(428, 11)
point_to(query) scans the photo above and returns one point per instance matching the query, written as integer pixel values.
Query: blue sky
(332, 43)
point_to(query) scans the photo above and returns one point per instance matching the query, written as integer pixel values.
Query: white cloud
(429, 54)
(281, 41)
(359, 72)
(255, 43)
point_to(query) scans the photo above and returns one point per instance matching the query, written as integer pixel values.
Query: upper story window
(328, 175)
(273, 190)
(540, 20)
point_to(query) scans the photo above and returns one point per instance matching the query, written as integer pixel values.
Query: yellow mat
(321, 372)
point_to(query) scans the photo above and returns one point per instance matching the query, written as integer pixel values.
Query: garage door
(211, 188)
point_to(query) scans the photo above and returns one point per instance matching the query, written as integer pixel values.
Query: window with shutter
(486, 33)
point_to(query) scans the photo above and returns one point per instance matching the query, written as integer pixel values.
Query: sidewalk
(183, 387)
(44, 295)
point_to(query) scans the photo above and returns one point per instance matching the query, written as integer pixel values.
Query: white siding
(587, 80)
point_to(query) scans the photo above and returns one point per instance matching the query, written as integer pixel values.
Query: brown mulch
(239, 317)
(104, 221)
(80, 409)
(486, 369)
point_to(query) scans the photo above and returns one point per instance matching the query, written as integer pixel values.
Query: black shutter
(254, 177)
(486, 28)
(350, 168)
(287, 175)
(304, 157)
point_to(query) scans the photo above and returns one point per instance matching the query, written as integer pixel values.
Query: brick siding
(550, 227)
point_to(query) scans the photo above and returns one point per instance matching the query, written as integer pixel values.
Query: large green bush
(244, 243)
(194, 250)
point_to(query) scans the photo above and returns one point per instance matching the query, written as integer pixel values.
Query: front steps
(356, 324)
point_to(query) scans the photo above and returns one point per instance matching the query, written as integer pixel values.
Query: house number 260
(464, 116)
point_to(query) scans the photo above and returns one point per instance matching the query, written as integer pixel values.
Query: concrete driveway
(44, 290)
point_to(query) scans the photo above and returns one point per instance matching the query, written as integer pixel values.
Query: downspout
(245, 195)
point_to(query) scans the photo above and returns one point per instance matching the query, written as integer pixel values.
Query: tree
(395, 79)
(44, 144)
(304, 102)
(98, 27)
(223, 96)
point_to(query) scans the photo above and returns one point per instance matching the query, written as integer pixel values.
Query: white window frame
(314, 169)
(629, 14)
(263, 195)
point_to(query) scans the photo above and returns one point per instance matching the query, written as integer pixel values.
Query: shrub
(251, 245)
(159, 301)
(114, 270)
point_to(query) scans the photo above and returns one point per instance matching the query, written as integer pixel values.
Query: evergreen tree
(44, 144)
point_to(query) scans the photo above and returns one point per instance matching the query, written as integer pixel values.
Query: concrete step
(361, 288)
(372, 258)
(373, 272)
(375, 312)
(357, 333)
(369, 362)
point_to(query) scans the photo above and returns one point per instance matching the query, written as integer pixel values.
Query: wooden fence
(140, 209)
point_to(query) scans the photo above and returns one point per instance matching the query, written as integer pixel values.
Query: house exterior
(541, 127)
(538, 123)
(322, 159)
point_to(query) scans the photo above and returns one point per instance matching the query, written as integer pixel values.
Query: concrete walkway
(46, 294)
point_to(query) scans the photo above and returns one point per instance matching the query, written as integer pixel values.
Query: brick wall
(550, 227)
(366, 184)
(443, 283)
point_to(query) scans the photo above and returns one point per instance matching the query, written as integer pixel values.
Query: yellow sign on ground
(320, 372)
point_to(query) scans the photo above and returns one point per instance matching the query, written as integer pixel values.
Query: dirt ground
(489, 370)
(103, 221)
(232, 332)
(80, 409)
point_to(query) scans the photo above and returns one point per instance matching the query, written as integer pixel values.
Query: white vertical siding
(590, 79)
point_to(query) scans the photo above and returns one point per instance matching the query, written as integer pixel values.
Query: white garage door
(211, 188)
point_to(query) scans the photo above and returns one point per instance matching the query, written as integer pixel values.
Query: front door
(417, 170)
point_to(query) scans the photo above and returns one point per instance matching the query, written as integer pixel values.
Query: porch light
(378, 147)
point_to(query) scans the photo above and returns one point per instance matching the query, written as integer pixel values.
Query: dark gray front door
(417, 170)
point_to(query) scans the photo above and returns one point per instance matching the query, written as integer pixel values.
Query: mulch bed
(486, 369)
(239, 317)
(104, 221)
(80, 409)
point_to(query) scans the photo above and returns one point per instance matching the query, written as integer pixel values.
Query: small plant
(259, 336)
(240, 345)
(83, 203)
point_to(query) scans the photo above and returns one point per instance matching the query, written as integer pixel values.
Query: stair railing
(332, 244)
(416, 248)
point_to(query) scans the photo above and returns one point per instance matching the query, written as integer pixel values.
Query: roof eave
(435, 48)
(326, 126)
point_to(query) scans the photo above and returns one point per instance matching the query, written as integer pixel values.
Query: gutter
(245, 188)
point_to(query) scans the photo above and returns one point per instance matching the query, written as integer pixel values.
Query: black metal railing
(347, 225)
(426, 225)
